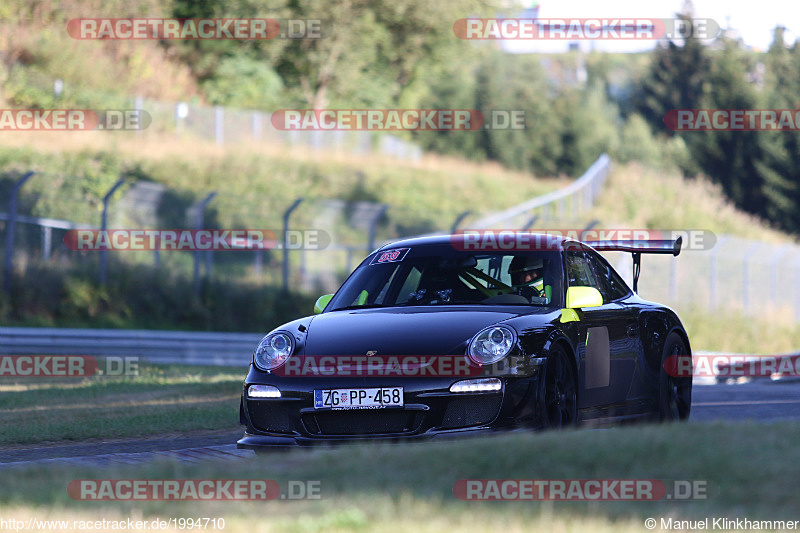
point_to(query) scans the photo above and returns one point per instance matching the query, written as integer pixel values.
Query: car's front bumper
(262, 442)
(429, 410)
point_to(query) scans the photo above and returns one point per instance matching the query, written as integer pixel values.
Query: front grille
(363, 421)
(471, 411)
(270, 417)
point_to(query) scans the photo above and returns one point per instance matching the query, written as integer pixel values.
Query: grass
(254, 184)
(736, 333)
(257, 182)
(161, 399)
(146, 297)
(639, 197)
(750, 470)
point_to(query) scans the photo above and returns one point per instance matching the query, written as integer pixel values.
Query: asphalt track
(760, 400)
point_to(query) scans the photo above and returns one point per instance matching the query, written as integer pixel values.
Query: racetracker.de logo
(379, 365)
(192, 489)
(173, 489)
(550, 239)
(626, 29)
(733, 119)
(733, 366)
(193, 240)
(66, 366)
(73, 119)
(399, 119)
(579, 489)
(193, 29)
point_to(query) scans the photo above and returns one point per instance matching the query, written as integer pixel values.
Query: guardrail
(580, 194)
(184, 347)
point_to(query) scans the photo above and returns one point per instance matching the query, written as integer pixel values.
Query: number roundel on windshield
(390, 256)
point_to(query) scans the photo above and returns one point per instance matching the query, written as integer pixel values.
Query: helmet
(526, 271)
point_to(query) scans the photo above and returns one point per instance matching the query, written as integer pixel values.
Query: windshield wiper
(435, 302)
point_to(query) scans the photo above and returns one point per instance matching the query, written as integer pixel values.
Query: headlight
(477, 385)
(273, 350)
(491, 345)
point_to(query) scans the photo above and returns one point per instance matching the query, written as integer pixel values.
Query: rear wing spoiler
(637, 248)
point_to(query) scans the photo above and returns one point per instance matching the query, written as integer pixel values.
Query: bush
(141, 297)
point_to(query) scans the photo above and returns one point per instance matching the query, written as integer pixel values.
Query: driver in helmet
(527, 277)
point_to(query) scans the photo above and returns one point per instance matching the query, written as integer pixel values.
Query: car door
(608, 339)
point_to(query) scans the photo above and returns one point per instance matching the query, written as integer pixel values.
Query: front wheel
(675, 393)
(560, 391)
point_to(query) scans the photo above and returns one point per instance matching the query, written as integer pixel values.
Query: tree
(730, 157)
(369, 50)
(779, 164)
(676, 79)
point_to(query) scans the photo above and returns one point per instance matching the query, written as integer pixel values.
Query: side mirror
(583, 297)
(322, 303)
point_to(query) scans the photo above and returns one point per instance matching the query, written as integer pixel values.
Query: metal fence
(233, 126)
(351, 229)
(735, 274)
(354, 227)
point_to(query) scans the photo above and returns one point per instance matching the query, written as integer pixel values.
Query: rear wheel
(675, 393)
(560, 391)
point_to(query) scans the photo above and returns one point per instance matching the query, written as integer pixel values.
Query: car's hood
(401, 331)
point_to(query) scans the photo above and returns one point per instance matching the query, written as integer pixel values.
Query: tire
(674, 393)
(559, 392)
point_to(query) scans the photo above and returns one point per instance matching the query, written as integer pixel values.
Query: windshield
(441, 275)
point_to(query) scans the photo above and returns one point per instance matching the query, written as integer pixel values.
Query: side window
(579, 271)
(609, 283)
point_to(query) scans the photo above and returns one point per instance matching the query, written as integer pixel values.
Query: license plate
(358, 398)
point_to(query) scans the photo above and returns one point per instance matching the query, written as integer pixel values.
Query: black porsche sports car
(439, 336)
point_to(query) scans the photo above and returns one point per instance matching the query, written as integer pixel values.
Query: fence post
(258, 263)
(797, 290)
(219, 125)
(303, 277)
(531, 221)
(773, 274)
(104, 226)
(746, 277)
(373, 226)
(256, 126)
(673, 279)
(198, 212)
(459, 219)
(47, 242)
(286, 215)
(712, 271)
(138, 104)
(12, 219)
